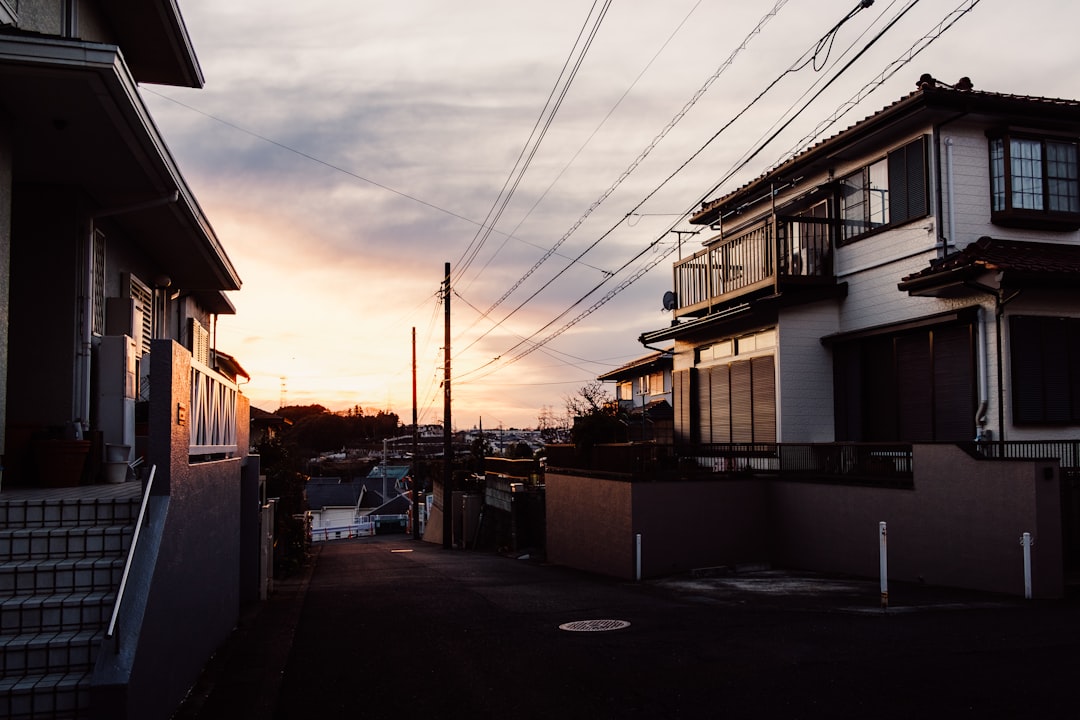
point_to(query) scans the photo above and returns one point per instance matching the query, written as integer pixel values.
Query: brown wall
(960, 526)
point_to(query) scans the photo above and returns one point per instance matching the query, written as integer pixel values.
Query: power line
(820, 46)
(625, 174)
(536, 137)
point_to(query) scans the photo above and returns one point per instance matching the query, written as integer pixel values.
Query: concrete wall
(184, 594)
(959, 527)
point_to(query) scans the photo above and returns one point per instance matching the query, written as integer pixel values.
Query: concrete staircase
(62, 555)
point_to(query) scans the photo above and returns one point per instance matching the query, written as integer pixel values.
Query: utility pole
(416, 484)
(448, 438)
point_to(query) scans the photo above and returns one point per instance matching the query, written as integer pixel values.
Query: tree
(597, 416)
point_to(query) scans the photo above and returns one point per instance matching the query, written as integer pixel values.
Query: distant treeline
(316, 429)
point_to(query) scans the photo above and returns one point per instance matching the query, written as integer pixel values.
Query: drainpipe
(951, 238)
(980, 364)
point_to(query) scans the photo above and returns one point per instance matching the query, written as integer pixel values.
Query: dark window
(736, 402)
(888, 192)
(1034, 182)
(680, 383)
(914, 386)
(1045, 354)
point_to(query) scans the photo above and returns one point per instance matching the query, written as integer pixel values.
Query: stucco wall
(185, 593)
(959, 527)
(592, 524)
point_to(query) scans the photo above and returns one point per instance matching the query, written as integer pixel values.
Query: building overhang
(992, 265)
(77, 120)
(650, 363)
(155, 40)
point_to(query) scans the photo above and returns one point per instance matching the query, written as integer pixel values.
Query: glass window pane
(878, 190)
(1061, 173)
(997, 174)
(1027, 174)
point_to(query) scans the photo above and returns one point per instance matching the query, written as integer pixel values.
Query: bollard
(883, 552)
(637, 556)
(1025, 541)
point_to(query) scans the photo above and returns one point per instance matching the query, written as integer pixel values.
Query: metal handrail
(131, 554)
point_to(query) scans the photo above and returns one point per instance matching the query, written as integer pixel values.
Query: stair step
(49, 577)
(55, 695)
(49, 652)
(61, 611)
(79, 541)
(68, 512)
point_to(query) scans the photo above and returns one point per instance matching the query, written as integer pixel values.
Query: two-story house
(913, 278)
(882, 329)
(643, 390)
(111, 282)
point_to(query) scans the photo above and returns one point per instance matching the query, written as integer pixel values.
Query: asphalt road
(391, 628)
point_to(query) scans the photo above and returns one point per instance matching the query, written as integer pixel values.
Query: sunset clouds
(344, 151)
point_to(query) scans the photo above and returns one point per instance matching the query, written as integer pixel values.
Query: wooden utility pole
(448, 437)
(417, 485)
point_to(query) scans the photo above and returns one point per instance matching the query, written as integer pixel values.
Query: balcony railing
(763, 255)
(213, 412)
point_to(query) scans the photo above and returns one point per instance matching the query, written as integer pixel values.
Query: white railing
(213, 412)
(111, 631)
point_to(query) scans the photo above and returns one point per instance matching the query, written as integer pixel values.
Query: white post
(1025, 541)
(637, 556)
(883, 552)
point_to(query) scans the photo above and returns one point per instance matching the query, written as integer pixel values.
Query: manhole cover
(594, 625)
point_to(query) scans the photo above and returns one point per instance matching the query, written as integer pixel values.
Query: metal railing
(1066, 452)
(111, 631)
(876, 463)
(784, 247)
(213, 412)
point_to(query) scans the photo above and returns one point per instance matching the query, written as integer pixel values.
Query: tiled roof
(930, 93)
(1049, 260)
(637, 367)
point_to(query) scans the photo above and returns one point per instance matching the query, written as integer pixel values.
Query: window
(626, 390)
(887, 192)
(97, 295)
(1045, 354)
(1034, 182)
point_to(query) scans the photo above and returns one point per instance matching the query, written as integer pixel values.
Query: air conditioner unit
(116, 389)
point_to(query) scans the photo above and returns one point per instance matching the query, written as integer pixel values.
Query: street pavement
(389, 627)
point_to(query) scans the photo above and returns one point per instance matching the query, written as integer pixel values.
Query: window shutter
(721, 404)
(954, 383)
(200, 341)
(680, 381)
(1027, 379)
(703, 407)
(914, 388)
(907, 182)
(764, 398)
(742, 403)
(1055, 359)
(144, 305)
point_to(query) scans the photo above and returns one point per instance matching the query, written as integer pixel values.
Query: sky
(345, 150)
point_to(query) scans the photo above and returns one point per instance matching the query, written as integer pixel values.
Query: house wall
(5, 275)
(592, 524)
(45, 234)
(183, 600)
(687, 525)
(959, 527)
(804, 374)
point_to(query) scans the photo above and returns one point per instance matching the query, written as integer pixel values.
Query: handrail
(131, 554)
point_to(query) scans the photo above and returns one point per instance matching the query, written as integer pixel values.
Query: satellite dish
(670, 301)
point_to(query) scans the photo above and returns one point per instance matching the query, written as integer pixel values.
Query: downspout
(984, 382)
(950, 192)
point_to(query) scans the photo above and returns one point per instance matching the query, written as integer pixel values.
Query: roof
(660, 360)
(332, 492)
(932, 100)
(1017, 262)
(262, 417)
(81, 122)
(393, 472)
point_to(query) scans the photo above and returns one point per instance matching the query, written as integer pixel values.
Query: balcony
(774, 255)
